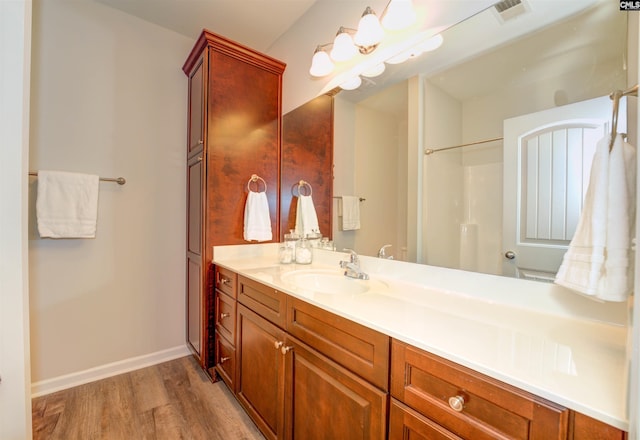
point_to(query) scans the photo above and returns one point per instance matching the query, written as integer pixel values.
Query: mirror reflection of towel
(597, 263)
(67, 204)
(306, 218)
(350, 213)
(257, 221)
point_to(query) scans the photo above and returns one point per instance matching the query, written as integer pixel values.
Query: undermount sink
(325, 281)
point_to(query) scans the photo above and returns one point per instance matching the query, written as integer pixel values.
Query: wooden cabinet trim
(232, 48)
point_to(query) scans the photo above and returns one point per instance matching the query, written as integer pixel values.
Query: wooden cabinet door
(260, 374)
(196, 107)
(326, 401)
(194, 305)
(196, 333)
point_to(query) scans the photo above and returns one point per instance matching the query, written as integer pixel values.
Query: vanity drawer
(360, 349)
(226, 316)
(226, 281)
(265, 301)
(405, 423)
(488, 409)
(226, 361)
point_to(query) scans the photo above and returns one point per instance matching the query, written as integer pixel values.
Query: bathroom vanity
(306, 350)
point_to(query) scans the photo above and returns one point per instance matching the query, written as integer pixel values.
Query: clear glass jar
(286, 254)
(327, 244)
(290, 241)
(304, 252)
(314, 239)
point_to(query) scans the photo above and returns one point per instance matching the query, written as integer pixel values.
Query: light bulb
(321, 64)
(343, 47)
(369, 33)
(399, 15)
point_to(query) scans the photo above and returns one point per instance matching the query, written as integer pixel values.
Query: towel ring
(255, 178)
(302, 184)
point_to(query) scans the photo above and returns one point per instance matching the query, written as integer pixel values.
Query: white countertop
(538, 337)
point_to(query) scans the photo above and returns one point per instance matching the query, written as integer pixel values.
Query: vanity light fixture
(321, 64)
(351, 84)
(426, 46)
(374, 71)
(370, 32)
(398, 15)
(343, 46)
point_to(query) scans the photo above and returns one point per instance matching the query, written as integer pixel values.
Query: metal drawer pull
(285, 350)
(224, 315)
(224, 281)
(224, 359)
(277, 344)
(457, 403)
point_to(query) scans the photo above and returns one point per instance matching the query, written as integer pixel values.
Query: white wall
(15, 49)
(109, 98)
(344, 183)
(376, 158)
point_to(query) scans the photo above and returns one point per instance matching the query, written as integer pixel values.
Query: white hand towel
(597, 261)
(350, 213)
(67, 204)
(306, 217)
(257, 221)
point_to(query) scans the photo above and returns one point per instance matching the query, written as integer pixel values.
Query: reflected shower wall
(463, 208)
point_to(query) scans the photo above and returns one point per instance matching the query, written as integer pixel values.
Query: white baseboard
(103, 371)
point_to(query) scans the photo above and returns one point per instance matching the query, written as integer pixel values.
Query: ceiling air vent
(509, 9)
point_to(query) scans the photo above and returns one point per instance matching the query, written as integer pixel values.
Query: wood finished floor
(173, 400)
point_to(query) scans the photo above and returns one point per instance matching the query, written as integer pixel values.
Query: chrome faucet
(352, 266)
(382, 254)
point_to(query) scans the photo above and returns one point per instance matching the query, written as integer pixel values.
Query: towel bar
(359, 198)
(118, 180)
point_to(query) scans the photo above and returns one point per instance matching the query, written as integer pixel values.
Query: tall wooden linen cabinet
(234, 131)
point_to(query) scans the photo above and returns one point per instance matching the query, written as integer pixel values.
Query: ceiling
(254, 23)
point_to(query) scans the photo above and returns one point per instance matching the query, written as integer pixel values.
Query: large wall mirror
(446, 208)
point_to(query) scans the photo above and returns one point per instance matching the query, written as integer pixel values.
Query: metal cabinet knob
(224, 315)
(278, 344)
(224, 359)
(286, 350)
(224, 281)
(457, 403)
(510, 255)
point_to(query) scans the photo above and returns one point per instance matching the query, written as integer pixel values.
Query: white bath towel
(257, 221)
(350, 213)
(67, 204)
(597, 263)
(306, 217)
